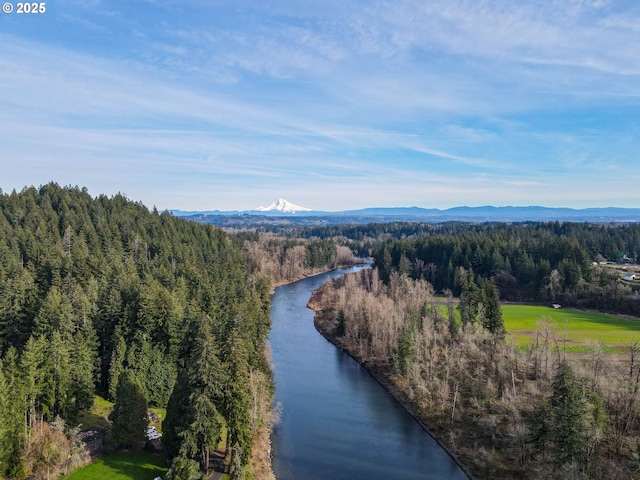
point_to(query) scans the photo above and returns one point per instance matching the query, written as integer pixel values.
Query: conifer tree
(570, 423)
(192, 427)
(469, 297)
(14, 412)
(237, 398)
(5, 422)
(540, 427)
(492, 320)
(117, 365)
(36, 378)
(16, 303)
(569, 410)
(56, 313)
(82, 379)
(60, 373)
(184, 468)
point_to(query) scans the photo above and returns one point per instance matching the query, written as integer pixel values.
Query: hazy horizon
(331, 105)
(257, 208)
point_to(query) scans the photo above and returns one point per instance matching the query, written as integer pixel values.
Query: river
(337, 421)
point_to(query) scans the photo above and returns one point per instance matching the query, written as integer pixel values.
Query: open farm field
(583, 328)
(123, 466)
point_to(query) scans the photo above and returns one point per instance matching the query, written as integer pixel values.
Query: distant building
(622, 258)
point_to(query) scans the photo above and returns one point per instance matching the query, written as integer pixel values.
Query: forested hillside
(99, 295)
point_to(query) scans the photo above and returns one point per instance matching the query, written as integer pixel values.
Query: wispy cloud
(380, 102)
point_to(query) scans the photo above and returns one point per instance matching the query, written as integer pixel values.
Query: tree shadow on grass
(136, 465)
(93, 421)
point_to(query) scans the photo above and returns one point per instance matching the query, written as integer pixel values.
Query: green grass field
(583, 328)
(123, 466)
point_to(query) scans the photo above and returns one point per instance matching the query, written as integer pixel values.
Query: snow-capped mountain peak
(282, 205)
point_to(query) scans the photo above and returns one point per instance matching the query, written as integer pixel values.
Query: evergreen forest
(539, 262)
(102, 296)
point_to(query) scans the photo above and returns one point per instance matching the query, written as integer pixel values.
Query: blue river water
(337, 421)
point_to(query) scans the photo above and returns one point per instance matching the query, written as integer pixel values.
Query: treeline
(539, 262)
(600, 241)
(360, 239)
(359, 233)
(99, 295)
(284, 259)
(506, 415)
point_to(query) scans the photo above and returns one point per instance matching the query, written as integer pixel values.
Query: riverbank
(261, 462)
(317, 271)
(337, 421)
(325, 324)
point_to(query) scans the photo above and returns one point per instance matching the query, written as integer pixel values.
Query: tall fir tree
(237, 398)
(192, 426)
(60, 355)
(116, 365)
(568, 408)
(5, 422)
(56, 313)
(82, 374)
(492, 318)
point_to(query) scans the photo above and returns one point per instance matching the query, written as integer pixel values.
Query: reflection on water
(337, 421)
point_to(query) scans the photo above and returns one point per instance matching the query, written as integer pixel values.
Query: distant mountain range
(283, 211)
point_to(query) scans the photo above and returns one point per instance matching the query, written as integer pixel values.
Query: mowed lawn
(583, 328)
(123, 466)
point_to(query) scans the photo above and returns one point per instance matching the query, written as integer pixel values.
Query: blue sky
(331, 104)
